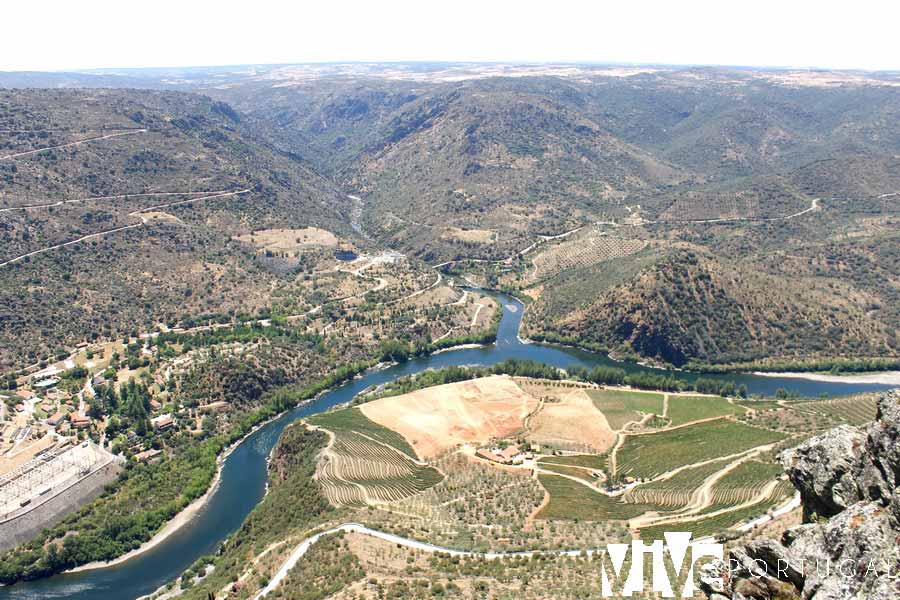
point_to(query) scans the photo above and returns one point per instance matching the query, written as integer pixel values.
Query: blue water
(243, 477)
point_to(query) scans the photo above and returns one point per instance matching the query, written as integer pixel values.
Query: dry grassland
(288, 240)
(437, 419)
(572, 423)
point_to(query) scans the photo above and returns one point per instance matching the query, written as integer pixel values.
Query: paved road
(305, 545)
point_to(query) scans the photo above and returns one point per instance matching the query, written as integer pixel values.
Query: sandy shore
(173, 525)
(459, 347)
(886, 377)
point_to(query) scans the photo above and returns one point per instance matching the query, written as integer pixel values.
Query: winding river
(243, 476)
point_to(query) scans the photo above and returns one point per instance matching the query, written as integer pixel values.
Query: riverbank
(193, 509)
(171, 526)
(459, 347)
(883, 378)
(241, 489)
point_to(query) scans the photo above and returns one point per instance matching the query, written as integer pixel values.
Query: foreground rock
(848, 545)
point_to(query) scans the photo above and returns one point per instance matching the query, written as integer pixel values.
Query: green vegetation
(146, 496)
(529, 368)
(572, 500)
(684, 409)
(833, 366)
(651, 454)
(352, 420)
(855, 410)
(327, 568)
(570, 471)
(431, 378)
(743, 483)
(591, 461)
(654, 381)
(676, 491)
(120, 520)
(358, 470)
(293, 505)
(720, 523)
(620, 407)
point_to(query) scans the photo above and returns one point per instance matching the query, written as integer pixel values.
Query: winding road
(814, 205)
(114, 197)
(137, 213)
(306, 544)
(70, 144)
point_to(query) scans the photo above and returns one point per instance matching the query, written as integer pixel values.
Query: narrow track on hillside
(71, 144)
(814, 205)
(137, 213)
(113, 197)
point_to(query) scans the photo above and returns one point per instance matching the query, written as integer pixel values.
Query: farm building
(80, 421)
(510, 455)
(162, 421)
(147, 455)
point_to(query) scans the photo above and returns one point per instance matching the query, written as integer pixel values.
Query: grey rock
(714, 579)
(884, 447)
(775, 555)
(847, 556)
(849, 545)
(823, 470)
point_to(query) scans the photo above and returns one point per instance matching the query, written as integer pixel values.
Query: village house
(80, 421)
(46, 383)
(148, 455)
(162, 422)
(510, 455)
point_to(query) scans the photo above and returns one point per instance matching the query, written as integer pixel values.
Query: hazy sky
(59, 35)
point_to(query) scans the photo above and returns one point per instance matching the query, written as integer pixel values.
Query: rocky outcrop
(849, 544)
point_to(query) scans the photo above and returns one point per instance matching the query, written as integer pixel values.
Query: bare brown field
(476, 236)
(574, 422)
(437, 419)
(287, 240)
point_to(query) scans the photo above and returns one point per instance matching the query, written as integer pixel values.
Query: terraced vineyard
(677, 490)
(684, 409)
(718, 523)
(577, 472)
(743, 483)
(590, 461)
(572, 500)
(649, 455)
(353, 420)
(621, 407)
(365, 466)
(582, 252)
(854, 410)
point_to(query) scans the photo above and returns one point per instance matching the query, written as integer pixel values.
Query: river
(243, 475)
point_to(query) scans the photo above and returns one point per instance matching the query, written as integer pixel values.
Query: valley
(369, 331)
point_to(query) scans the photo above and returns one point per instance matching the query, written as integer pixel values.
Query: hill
(757, 170)
(688, 305)
(155, 184)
